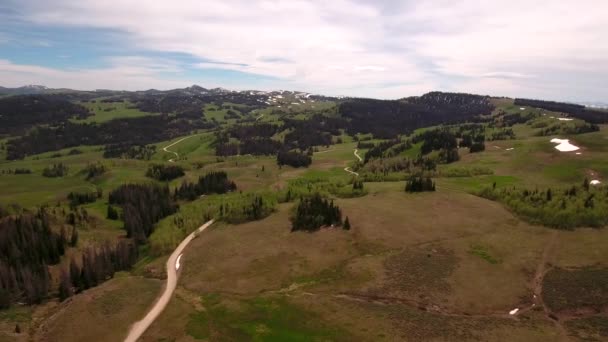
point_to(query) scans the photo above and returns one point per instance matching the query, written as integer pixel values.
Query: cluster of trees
(475, 142)
(260, 130)
(254, 146)
(142, 206)
(112, 213)
(125, 132)
(419, 184)
(314, 212)
(27, 246)
(96, 266)
(164, 173)
(575, 110)
(293, 158)
(568, 128)
(503, 134)
(357, 185)
(510, 119)
(78, 198)
(386, 149)
(93, 170)
(316, 131)
(387, 119)
(17, 171)
(435, 140)
(245, 208)
(20, 113)
(566, 208)
(55, 170)
(129, 151)
(448, 156)
(210, 183)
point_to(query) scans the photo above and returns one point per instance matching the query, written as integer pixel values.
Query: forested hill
(575, 110)
(387, 118)
(18, 113)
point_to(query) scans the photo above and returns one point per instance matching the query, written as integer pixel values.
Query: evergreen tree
(346, 225)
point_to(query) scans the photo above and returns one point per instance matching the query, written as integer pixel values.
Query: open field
(106, 111)
(439, 266)
(384, 263)
(103, 313)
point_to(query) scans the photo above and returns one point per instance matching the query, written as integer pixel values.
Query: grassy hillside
(444, 265)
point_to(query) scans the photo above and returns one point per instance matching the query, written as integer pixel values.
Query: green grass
(259, 319)
(109, 111)
(474, 184)
(484, 253)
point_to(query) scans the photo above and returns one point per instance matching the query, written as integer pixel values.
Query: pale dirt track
(347, 169)
(173, 265)
(172, 144)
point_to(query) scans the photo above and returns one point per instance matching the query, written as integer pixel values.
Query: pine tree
(74, 237)
(346, 225)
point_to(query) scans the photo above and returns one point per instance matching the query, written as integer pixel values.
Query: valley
(469, 217)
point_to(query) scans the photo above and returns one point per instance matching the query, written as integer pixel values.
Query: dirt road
(173, 264)
(357, 155)
(172, 144)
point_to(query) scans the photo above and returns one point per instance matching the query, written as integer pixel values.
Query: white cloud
(117, 76)
(353, 47)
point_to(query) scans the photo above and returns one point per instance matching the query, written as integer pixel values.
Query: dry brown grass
(103, 313)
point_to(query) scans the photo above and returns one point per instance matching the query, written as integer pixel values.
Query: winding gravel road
(172, 144)
(347, 169)
(173, 265)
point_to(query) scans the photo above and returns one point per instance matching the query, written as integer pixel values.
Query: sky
(546, 49)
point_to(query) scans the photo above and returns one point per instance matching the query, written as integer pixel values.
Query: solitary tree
(346, 225)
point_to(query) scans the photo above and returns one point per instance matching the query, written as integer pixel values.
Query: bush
(314, 212)
(55, 170)
(164, 173)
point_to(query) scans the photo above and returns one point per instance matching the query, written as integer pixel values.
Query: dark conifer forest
(314, 212)
(210, 183)
(142, 205)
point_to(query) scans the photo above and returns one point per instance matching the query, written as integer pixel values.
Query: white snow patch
(510, 149)
(595, 182)
(279, 96)
(514, 311)
(564, 145)
(578, 153)
(522, 108)
(295, 103)
(565, 119)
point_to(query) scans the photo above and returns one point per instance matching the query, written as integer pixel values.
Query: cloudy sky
(550, 49)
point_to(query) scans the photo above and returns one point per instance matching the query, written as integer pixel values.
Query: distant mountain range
(192, 90)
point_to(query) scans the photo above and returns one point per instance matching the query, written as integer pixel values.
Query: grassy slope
(487, 257)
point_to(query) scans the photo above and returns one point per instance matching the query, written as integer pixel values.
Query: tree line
(314, 212)
(575, 110)
(164, 173)
(55, 170)
(142, 206)
(211, 183)
(581, 205)
(129, 151)
(293, 158)
(95, 266)
(27, 246)
(419, 184)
